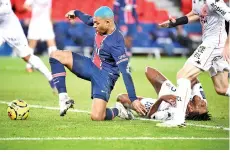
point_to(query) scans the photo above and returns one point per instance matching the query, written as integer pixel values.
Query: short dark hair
(198, 117)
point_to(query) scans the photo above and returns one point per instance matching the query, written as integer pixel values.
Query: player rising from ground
(208, 56)
(12, 33)
(108, 60)
(41, 27)
(163, 108)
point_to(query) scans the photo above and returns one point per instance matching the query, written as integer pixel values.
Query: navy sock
(59, 73)
(111, 113)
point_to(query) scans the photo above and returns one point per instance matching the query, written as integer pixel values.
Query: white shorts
(12, 33)
(209, 58)
(40, 30)
(167, 88)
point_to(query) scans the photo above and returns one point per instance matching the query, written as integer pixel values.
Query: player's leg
(100, 112)
(221, 83)
(58, 60)
(77, 64)
(49, 36)
(32, 45)
(155, 78)
(14, 35)
(51, 46)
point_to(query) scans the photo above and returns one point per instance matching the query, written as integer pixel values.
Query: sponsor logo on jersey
(198, 53)
(218, 9)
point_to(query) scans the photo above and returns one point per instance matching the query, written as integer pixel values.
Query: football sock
(59, 74)
(183, 95)
(111, 113)
(63, 96)
(228, 91)
(28, 65)
(51, 49)
(38, 64)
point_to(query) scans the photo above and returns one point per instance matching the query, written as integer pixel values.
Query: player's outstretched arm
(190, 17)
(87, 19)
(124, 99)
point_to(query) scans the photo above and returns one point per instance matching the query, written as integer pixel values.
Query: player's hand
(166, 23)
(171, 99)
(226, 52)
(70, 15)
(140, 108)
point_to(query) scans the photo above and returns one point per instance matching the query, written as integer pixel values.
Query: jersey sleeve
(118, 53)
(87, 19)
(220, 7)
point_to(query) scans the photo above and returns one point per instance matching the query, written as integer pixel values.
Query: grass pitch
(45, 129)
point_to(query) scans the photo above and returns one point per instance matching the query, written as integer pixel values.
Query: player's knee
(97, 117)
(220, 90)
(58, 55)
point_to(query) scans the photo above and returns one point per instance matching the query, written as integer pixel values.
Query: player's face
(197, 105)
(101, 25)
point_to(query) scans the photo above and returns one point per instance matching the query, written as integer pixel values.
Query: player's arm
(220, 7)
(171, 99)
(188, 18)
(87, 19)
(124, 99)
(118, 53)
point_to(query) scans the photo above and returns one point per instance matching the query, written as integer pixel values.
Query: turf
(15, 83)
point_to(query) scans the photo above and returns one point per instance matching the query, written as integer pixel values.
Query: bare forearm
(192, 17)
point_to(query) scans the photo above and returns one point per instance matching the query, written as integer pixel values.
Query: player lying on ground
(163, 108)
(208, 56)
(12, 33)
(108, 60)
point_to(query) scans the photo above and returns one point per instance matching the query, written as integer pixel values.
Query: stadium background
(150, 40)
(44, 129)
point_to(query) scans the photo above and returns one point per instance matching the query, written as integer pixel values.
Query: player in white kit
(12, 33)
(163, 107)
(209, 56)
(40, 27)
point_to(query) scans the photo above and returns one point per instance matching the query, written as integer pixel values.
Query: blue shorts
(101, 82)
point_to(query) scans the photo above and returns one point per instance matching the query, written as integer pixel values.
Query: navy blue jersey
(109, 54)
(109, 51)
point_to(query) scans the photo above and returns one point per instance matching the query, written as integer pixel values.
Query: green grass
(15, 83)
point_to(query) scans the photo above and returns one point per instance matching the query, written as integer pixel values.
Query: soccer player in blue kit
(102, 70)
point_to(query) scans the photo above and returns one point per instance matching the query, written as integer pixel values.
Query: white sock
(228, 91)
(183, 95)
(28, 65)
(51, 49)
(63, 96)
(38, 64)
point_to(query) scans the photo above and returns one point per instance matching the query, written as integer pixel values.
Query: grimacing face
(197, 105)
(101, 25)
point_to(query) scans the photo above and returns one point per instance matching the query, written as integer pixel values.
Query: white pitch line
(143, 119)
(109, 138)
